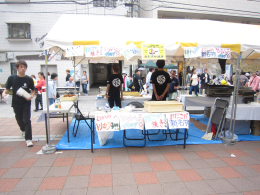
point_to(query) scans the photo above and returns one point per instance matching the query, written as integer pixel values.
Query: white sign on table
(178, 120)
(107, 122)
(130, 51)
(155, 121)
(131, 121)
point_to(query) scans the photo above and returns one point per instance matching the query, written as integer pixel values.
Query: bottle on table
(56, 103)
(59, 104)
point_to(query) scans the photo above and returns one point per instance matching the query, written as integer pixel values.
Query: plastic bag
(8, 99)
(103, 136)
(221, 135)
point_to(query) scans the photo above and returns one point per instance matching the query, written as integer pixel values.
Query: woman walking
(194, 85)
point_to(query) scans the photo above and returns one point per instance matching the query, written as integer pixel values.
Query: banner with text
(153, 51)
(131, 121)
(194, 52)
(178, 120)
(107, 122)
(130, 51)
(155, 121)
(92, 51)
(75, 51)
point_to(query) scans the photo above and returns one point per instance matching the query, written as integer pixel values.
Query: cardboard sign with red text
(107, 122)
(155, 121)
(178, 120)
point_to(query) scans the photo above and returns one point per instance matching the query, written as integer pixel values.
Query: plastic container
(56, 103)
(59, 104)
(21, 92)
(258, 98)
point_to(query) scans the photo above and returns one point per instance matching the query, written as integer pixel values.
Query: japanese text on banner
(155, 121)
(178, 120)
(93, 51)
(75, 51)
(193, 52)
(130, 51)
(107, 122)
(153, 51)
(131, 121)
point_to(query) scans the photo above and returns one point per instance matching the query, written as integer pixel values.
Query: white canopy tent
(175, 34)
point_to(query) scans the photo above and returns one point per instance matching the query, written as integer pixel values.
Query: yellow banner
(153, 51)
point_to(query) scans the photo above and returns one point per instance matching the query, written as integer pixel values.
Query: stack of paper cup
(21, 92)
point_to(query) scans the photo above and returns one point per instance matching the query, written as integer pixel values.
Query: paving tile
(102, 152)
(243, 184)
(161, 166)
(30, 155)
(6, 185)
(48, 192)
(76, 182)
(80, 170)
(126, 190)
(100, 180)
(178, 165)
(101, 169)
(228, 172)
(167, 149)
(252, 193)
(237, 152)
(123, 179)
(2, 171)
(13, 155)
(167, 176)
(49, 156)
(120, 159)
(141, 167)
(146, 178)
(257, 149)
(173, 156)
(100, 191)
(190, 155)
(37, 172)
(254, 179)
(188, 175)
(7, 149)
(119, 152)
(246, 171)
(221, 153)
(138, 158)
(208, 173)
(233, 162)
(24, 163)
(197, 148)
(216, 162)
(256, 167)
(156, 157)
(74, 191)
(14, 173)
(27, 192)
(22, 149)
(249, 160)
(198, 164)
(206, 154)
(62, 162)
(7, 163)
(84, 153)
(52, 183)
(99, 160)
(199, 187)
(176, 188)
(44, 162)
(26, 184)
(151, 189)
(82, 161)
(151, 150)
(135, 151)
(221, 186)
(35, 149)
(122, 168)
(68, 154)
(58, 172)
(212, 147)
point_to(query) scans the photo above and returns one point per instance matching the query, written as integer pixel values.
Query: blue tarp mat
(200, 118)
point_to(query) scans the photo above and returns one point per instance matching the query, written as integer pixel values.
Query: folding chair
(218, 115)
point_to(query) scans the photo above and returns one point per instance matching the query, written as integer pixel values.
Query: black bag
(130, 86)
(57, 95)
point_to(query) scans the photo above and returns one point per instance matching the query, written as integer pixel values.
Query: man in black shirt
(21, 105)
(204, 77)
(114, 87)
(137, 81)
(161, 82)
(174, 85)
(68, 75)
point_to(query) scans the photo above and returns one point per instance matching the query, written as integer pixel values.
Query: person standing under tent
(174, 86)
(70, 83)
(39, 85)
(114, 87)
(243, 80)
(137, 81)
(126, 81)
(52, 89)
(161, 82)
(149, 84)
(84, 83)
(67, 75)
(21, 106)
(77, 78)
(204, 77)
(254, 82)
(194, 84)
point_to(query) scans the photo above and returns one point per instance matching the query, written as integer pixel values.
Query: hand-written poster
(194, 52)
(107, 122)
(130, 51)
(131, 121)
(75, 51)
(111, 51)
(153, 51)
(178, 120)
(93, 51)
(155, 121)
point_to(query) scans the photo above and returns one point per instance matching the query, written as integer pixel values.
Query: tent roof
(72, 30)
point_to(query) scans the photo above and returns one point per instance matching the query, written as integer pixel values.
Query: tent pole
(74, 74)
(183, 76)
(48, 149)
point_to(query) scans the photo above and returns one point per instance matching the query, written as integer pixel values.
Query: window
(13, 69)
(19, 31)
(104, 3)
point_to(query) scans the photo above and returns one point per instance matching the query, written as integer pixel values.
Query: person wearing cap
(149, 84)
(254, 82)
(137, 81)
(52, 88)
(243, 80)
(126, 81)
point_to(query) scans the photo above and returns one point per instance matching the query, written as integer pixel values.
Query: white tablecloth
(246, 112)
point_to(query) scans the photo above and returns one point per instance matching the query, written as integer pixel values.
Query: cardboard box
(163, 106)
(255, 128)
(131, 93)
(73, 98)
